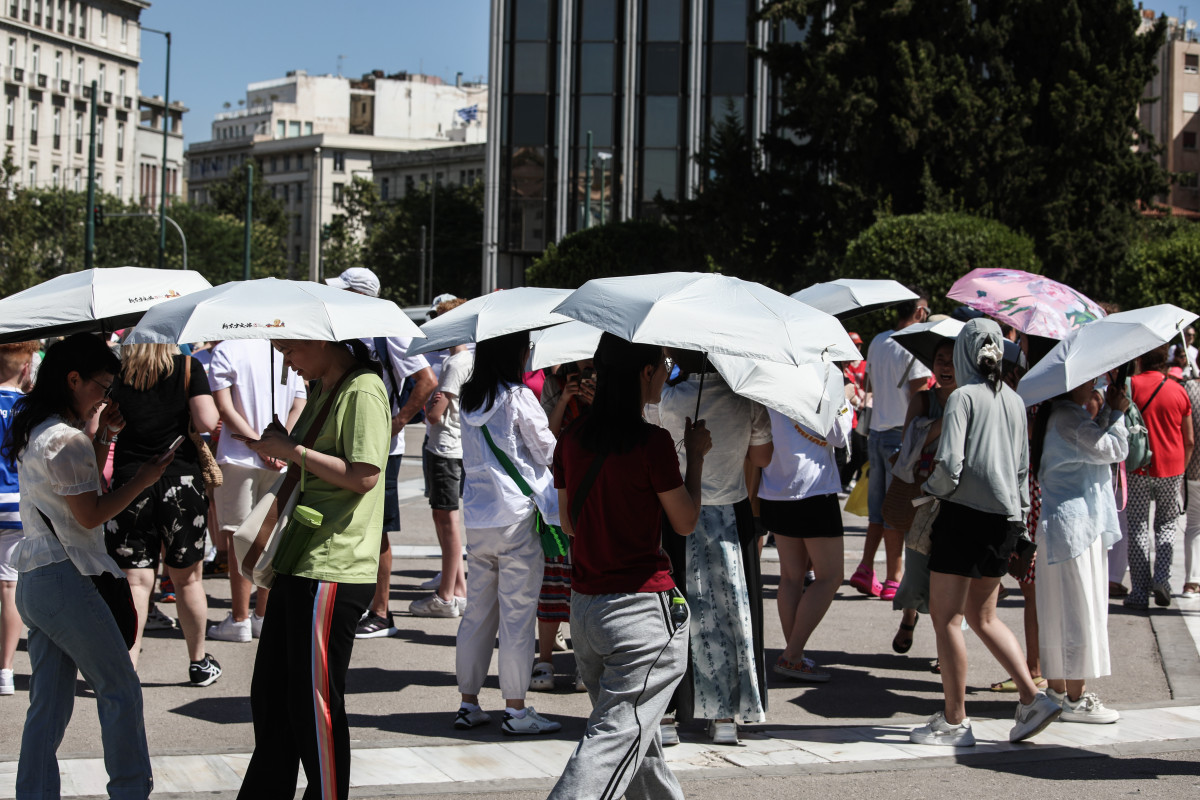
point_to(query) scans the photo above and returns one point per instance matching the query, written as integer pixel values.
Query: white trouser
(1191, 535)
(504, 578)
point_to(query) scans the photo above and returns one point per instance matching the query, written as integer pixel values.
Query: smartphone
(174, 446)
(242, 438)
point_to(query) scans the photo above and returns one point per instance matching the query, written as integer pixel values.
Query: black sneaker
(373, 626)
(204, 671)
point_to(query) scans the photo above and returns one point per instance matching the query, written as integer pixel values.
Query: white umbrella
(810, 394)
(492, 315)
(270, 308)
(562, 344)
(922, 338)
(850, 297)
(711, 313)
(1100, 346)
(94, 300)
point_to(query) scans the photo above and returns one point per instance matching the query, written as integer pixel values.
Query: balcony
(18, 75)
(42, 81)
(108, 98)
(83, 91)
(127, 101)
(64, 87)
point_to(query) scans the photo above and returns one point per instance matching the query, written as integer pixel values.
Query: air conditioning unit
(64, 87)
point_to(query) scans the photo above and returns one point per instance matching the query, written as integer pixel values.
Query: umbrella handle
(700, 391)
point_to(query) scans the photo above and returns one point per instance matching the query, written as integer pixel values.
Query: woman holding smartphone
(161, 391)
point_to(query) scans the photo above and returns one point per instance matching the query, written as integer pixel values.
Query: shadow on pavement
(222, 710)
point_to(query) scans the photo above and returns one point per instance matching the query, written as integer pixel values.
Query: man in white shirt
(893, 376)
(398, 366)
(244, 376)
(1189, 365)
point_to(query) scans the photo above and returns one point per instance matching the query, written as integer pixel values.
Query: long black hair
(498, 361)
(363, 356)
(614, 422)
(84, 353)
(1041, 424)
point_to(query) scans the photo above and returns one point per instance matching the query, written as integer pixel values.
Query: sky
(219, 46)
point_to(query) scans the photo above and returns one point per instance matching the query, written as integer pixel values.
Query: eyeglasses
(108, 387)
(669, 363)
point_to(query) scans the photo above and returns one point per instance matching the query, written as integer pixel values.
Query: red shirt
(1164, 421)
(617, 547)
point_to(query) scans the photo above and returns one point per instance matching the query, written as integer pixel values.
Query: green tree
(1021, 111)
(1161, 267)
(344, 240)
(228, 196)
(932, 251)
(620, 248)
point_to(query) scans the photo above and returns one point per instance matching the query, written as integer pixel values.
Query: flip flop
(900, 645)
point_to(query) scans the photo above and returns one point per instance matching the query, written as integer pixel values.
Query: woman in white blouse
(70, 625)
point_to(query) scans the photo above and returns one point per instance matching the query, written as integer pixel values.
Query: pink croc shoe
(864, 581)
(889, 590)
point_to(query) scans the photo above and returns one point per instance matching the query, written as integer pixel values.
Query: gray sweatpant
(631, 658)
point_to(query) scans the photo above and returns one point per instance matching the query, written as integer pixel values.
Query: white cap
(357, 279)
(437, 301)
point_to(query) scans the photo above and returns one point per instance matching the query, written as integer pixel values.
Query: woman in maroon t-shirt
(616, 474)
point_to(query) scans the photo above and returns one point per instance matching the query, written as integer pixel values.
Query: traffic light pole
(249, 220)
(89, 241)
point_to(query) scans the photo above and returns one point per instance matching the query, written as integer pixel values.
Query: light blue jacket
(1076, 479)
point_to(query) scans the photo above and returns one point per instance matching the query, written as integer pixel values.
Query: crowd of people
(140, 462)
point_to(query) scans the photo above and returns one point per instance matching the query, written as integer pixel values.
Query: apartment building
(1174, 118)
(314, 134)
(50, 52)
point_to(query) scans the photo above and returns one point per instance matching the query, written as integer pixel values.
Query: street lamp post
(162, 201)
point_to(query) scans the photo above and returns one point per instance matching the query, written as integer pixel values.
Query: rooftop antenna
(340, 59)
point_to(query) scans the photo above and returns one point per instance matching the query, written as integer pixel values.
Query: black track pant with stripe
(297, 694)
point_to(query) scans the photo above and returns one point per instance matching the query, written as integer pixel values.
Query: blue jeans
(881, 446)
(70, 628)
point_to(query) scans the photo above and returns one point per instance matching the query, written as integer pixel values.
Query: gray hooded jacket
(983, 455)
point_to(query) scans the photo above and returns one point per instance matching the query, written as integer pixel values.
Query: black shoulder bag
(115, 593)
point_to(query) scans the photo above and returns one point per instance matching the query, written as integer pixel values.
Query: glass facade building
(600, 105)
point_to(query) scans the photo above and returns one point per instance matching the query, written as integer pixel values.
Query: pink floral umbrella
(1032, 304)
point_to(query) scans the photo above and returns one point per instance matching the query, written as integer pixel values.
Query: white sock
(519, 714)
(470, 706)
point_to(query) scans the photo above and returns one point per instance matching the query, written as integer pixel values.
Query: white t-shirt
(735, 423)
(887, 363)
(445, 439)
(1191, 357)
(250, 368)
(799, 466)
(402, 366)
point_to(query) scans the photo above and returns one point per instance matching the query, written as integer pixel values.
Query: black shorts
(816, 517)
(172, 513)
(445, 481)
(971, 543)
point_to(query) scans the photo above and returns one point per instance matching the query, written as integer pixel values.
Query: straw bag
(209, 470)
(256, 540)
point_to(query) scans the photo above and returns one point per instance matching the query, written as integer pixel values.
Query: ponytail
(990, 363)
(363, 356)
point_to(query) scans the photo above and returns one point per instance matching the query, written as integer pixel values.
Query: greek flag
(468, 114)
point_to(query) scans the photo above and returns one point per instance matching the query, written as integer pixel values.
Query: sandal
(865, 582)
(1009, 685)
(1117, 589)
(903, 645)
(935, 666)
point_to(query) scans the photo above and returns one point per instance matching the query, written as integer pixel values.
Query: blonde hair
(143, 365)
(447, 305)
(14, 356)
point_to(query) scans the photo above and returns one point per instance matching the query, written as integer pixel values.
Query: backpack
(398, 394)
(1140, 454)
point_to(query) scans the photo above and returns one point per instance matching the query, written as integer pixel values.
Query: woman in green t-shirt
(325, 574)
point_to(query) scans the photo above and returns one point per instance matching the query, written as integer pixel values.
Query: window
(121, 83)
(287, 193)
(287, 164)
(1187, 180)
(35, 63)
(32, 174)
(100, 80)
(383, 189)
(1191, 102)
(10, 119)
(338, 190)
(300, 161)
(294, 128)
(78, 181)
(79, 133)
(274, 163)
(124, 30)
(103, 24)
(55, 175)
(57, 128)
(1191, 63)
(280, 129)
(120, 141)
(308, 129)
(1189, 140)
(339, 161)
(34, 108)
(12, 51)
(58, 65)
(299, 193)
(120, 188)
(297, 225)
(663, 20)
(99, 138)
(79, 72)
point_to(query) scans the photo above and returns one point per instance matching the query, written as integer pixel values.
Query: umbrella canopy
(562, 344)
(1100, 347)
(493, 315)
(1032, 304)
(270, 308)
(810, 394)
(713, 314)
(922, 338)
(850, 297)
(94, 300)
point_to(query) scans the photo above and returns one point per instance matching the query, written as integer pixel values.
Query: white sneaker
(531, 724)
(560, 641)
(156, 620)
(1032, 719)
(723, 732)
(256, 623)
(461, 602)
(939, 732)
(543, 678)
(471, 719)
(432, 583)
(580, 686)
(433, 606)
(230, 630)
(1088, 708)
(6, 682)
(668, 733)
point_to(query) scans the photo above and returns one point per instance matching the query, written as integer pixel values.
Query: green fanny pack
(554, 541)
